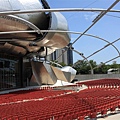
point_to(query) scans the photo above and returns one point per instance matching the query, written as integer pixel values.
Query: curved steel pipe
(58, 10)
(94, 36)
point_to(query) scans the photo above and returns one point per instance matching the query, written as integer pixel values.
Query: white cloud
(90, 16)
(86, 16)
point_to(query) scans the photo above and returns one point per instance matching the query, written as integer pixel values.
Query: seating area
(101, 83)
(100, 97)
(29, 95)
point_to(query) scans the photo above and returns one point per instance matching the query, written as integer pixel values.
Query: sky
(108, 28)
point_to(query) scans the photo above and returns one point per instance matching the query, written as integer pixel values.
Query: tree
(83, 67)
(62, 64)
(115, 65)
(101, 70)
(104, 68)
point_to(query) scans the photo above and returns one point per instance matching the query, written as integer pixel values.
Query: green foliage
(62, 64)
(55, 64)
(83, 67)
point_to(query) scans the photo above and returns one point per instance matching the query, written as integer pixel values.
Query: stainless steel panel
(61, 75)
(43, 73)
(56, 40)
(71, 70)
(51, 21)
(32, 44)
(47, 74)
(11, 49)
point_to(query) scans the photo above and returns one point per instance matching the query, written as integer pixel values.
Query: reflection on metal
(32, 43)
(33, 17)
(47, 74)
(70, 70)
(11, 49)
(64, 76)
(43, 73)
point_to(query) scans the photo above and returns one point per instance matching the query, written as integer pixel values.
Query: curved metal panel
(56, 40)
(35, 21)
(71, 70)
(34, 44)
(47, 74)
(43, 73)
(11, 49)
(64, 76)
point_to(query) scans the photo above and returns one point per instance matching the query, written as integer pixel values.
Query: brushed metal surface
(32, 21)
(11, 49)
(34, 44)
(64, 76)
(43, 73)
(71, 70)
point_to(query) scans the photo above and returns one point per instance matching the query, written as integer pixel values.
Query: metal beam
(72, 32)
(106, 62)
(95, 21)
(57, 10)
(105, 47)
(21, 31)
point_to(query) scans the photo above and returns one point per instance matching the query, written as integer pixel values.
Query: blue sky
(108, 28)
